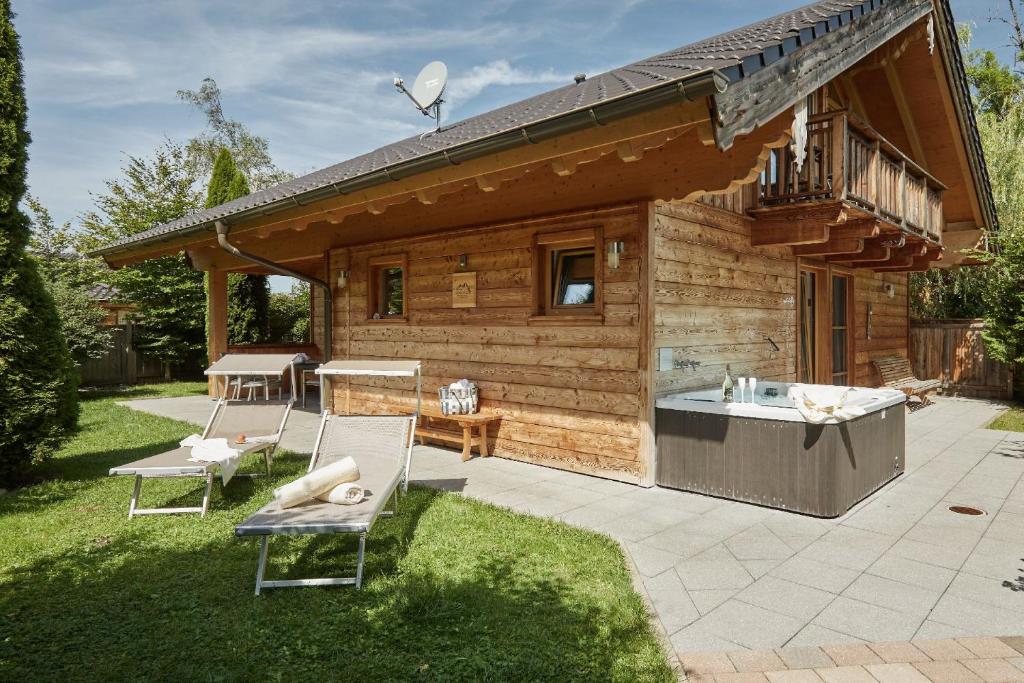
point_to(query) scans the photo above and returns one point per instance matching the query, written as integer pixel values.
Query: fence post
(131, 362)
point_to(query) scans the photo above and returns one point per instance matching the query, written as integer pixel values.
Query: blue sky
(315, 76)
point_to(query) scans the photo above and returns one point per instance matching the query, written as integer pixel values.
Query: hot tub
(766, 453)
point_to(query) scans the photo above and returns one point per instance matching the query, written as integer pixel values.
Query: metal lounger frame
(208, 474)
(357, 580)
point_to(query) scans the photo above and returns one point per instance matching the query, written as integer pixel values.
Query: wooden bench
(897, 374)
(461, 433)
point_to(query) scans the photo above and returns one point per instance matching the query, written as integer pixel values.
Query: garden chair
(261, 423)
(381, 445)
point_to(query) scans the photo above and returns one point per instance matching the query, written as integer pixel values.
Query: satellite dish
(430, 84)
(427, 90)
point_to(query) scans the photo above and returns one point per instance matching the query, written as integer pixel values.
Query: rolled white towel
(344, 494)
(819, 404)
(317, 482)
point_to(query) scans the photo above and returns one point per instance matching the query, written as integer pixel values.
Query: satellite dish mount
(428, 90)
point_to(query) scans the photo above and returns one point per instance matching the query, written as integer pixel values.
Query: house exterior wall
(889, 322)
(568, 395)
(717, 299)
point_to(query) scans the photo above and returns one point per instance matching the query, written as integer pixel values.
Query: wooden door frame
(851, 322)
(823, 319)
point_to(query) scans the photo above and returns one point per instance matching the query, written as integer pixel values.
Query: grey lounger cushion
(176, 462)
(379, 476)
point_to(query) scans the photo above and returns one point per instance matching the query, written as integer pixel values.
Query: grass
(1011, 421)
(455, 589)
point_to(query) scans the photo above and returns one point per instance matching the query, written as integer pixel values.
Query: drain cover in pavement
(965, 510)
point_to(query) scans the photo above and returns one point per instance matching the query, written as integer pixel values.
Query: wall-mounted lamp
(463, 260)
(342, 279)
(890, 290)
(615, 250)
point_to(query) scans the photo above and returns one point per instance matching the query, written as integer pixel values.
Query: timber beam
(775, 234)
(857, 228)
(873, 252)
(796, 224)
(845, 245)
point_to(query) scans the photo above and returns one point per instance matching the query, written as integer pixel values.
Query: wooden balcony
(849, 165)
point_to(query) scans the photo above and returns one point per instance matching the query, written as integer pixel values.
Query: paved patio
(726, 576)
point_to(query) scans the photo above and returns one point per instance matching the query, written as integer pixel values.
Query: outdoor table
(254, 365)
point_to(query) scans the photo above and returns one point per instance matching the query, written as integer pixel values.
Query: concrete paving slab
(726, 575)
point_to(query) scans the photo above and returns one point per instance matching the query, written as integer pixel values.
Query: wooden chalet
(756, 199)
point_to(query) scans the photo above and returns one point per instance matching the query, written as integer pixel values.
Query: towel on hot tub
(818, 403)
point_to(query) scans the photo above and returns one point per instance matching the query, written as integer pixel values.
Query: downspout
(222, 240)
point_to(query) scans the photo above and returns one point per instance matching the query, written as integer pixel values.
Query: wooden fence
(953, 351)
(121, 364)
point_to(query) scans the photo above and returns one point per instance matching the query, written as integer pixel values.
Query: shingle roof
(735, 53)
(103, 292)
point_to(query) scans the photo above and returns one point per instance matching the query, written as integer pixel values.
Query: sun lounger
(261, 423)
(381, 445)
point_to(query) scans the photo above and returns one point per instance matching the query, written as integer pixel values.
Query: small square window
(574, 277)
(386, 295)
(568, 270)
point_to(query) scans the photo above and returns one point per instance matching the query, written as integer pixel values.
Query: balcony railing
(849, 161)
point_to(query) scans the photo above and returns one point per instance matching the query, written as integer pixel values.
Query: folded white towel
(214, 450)
(344, 494)
(818, 404)
(317, 482)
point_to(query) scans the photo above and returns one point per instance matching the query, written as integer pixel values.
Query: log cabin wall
(717, 298)
(889, 322)
(568, 395)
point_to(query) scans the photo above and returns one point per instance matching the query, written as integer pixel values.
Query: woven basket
(458, 401)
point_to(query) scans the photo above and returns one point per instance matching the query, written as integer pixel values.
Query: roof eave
(688, 88)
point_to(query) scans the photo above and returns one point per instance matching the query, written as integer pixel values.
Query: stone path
(727, 576)
(964, 660)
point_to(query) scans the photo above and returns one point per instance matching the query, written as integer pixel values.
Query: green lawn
(454, 590)
(1011, 421)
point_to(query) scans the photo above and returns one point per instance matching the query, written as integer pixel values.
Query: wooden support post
(646, 245)
(216, 320)
(838, 152)
(130, 358)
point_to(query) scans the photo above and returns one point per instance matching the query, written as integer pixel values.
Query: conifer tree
(248, 295)
(38, 381)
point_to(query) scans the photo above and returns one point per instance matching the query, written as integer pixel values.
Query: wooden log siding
(568, 395)
(889, 330)
(717, 298)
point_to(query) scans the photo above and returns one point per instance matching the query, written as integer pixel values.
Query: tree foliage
(250, 152)
(1003, 139)
(248, 295)
(289, 314)
(38, 382)
(168, 293)
(994, 291)
(68, 276)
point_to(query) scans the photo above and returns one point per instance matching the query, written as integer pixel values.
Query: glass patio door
(825, 347)
(841, 329)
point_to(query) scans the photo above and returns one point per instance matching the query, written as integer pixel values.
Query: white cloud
(474, 81)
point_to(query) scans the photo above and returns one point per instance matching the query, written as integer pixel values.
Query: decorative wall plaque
(464, 290)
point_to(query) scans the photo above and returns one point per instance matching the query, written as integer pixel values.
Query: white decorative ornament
(931, 34)
(800, 133)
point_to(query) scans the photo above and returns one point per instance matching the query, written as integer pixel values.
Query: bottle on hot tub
(727, 387)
